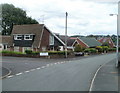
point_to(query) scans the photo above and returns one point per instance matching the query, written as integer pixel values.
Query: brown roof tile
(35, 29)
(6, 40)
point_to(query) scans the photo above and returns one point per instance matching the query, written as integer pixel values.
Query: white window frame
(28, 36)
(51, 40)
(16, 37)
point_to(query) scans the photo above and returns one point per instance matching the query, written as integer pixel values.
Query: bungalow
(86, 42)
(107, 40)
(36, 37)
(69, 41)
(5, 42)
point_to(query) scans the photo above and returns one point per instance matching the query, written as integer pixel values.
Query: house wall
(82, 44)
(23, 43)
(45, 40)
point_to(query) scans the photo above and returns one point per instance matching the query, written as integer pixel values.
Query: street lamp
(117, 45)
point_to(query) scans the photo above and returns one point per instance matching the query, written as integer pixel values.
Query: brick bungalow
(36, 37)
(86, 42)
(107, 40)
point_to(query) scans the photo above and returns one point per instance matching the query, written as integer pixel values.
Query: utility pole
(66, 15)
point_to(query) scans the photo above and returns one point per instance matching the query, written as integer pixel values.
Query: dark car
(79, 53)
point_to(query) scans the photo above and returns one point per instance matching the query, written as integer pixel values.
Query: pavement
(107, 79)
(4, 72)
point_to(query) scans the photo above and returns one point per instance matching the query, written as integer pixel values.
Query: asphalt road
(21, 64)
(74, 75)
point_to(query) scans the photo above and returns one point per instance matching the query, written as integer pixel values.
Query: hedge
(11, 52)
(90, 50)
(58, 52)
(111, 49)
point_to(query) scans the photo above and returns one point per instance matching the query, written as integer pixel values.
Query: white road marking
(19, 74)
(38, 68)
(32, 69)
(43, 67)
(91, 86)
(10, 76)
(27, 71)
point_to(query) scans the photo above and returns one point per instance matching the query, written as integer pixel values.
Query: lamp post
(117, 45)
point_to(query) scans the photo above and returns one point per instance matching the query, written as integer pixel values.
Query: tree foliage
(78, 48)
(14, 16)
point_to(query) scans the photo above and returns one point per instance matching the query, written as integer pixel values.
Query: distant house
(5, 42)
(107, 40)
(69, 41)
(36, 37)
(87, 42)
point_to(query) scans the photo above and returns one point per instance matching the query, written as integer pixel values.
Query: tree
(78, 48)
(14, 16)
(105, 44)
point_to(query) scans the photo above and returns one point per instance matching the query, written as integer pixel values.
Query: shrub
(35, 53)
(78, 48)
(11, 52)
(99, 48)
(90, 50)
(58, 52)
(105, 48)
(111, 49)
(28, 51)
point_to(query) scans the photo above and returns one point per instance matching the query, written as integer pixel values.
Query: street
(73, 75)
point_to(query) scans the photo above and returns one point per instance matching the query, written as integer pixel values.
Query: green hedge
(49, 52)
(28, 51)
(111, 49)
(58, 52)
(11, 52)
(90, 50)
(99, 48)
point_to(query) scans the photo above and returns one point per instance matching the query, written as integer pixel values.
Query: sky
(85, 17)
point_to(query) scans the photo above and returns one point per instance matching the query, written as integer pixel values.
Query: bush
(28, 51)
(58, 52)
(11, 52)
(99, 48)
(90, 50)
(35, 53)
(78, 48)
(105, 48)
(111, 49)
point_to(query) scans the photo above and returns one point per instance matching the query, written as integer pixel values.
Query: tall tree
(12, 15)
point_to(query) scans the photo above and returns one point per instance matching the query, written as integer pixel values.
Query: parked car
(79, 53)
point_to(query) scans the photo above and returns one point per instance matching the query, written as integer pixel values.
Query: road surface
(74, 75)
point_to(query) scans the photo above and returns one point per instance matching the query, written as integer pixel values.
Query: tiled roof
(69, 41)
(35, 29)
(6, 40)
(91, 42)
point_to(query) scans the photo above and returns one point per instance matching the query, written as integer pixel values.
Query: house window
(51, 40)
(18, 37)
(5, 47)
(28, 37)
